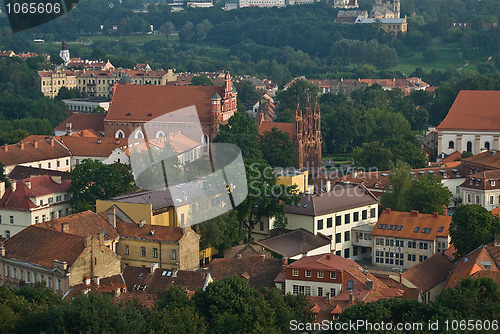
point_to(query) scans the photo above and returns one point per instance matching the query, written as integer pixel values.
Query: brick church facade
(135, 108)
(305, 132)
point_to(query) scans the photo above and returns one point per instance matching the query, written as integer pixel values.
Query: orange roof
(18, 153)
(38, 186)
(473, 110)
(149, 232)
(146, 102)
(411, 225)
(427, 274)
(488, 159)
(82, 121)
(322, 262)
(452, 157)
(486, 180)
(285, 127)
(42, 246)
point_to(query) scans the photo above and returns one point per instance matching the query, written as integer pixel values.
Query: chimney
(153, 267)
(327, 256)
(35, 143)
(436, 215)
(351, 298)
(87, 281)
(2, 251)
(100, 236)
(388, 210)
(27, 184)
(65, 227)
(112, 217)
(51, 141)
(68, 129)
(2, 189)
(21, 145)
(368, 284)
(99, 140)
(328, 186)
(284, 261)
(97, 280)
(14, 186)
(141, 223)
(414, 213)
(56, 179)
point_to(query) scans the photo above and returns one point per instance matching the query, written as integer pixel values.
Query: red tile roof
(427, 274)
(82, 121)
(452, 157)
(17, 153)
(43, 246)
(486, 180)
(489, 160)
(322, 262)
(149, 232)
(473, 110)
(285, 127)
(38, 186)
(142, 100)
(84, 223)
(107, 285)
(406, 224)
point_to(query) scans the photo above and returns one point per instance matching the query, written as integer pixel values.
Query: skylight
(416, 229)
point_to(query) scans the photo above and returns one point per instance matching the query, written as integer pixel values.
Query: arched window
(139, 134)
(487, 145)
(119, 134)
(451, 144)
(160, 134)
(469, 146)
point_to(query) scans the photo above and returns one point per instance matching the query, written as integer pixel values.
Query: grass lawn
(446, 54)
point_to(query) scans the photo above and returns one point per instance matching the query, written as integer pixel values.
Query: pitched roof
(43, 246)
(149, 232)
(452, 157)
(485, 258)
(488, 159)
(322, 262)
(295, 243)
(262, 270)
(427, 274)
(486, 180)
(142, 100)
(285, 127)
(23, 172)
(82, 121)
(27, 152)
(412, 225)
(341, 197)
(32, 187)
(473, 110)
(107, 285)
(83, 223)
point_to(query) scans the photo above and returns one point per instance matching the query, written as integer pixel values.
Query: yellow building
(293, 176)
(49, 82)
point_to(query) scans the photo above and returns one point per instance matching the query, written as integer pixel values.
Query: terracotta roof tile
(149, 232)
(82, 121)
(322, 262)
(473, 110)
(405, 224)
(285, 127)
(486, 180)
(427, 274)
(38, 186)
(24, 172)
(43, 246)
(141, 100)
(18, 153)
(295, 243)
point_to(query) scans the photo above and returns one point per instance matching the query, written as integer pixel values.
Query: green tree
(201, 80)
(472, 226)
(373, 154)
(277, 148)
(401, 181)
(221, 232)
(297, 93)
(247, 93)
(92, 180)
(428, 195)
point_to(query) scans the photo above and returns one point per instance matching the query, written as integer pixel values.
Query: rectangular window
(59, 285)
(7, 271)
(295, 272)
(11, 218)
(355, 217)
(261, 226)
(477, 199)
(491, 199)
(320, 291)
(21, 274)
(126, 250)
(182, 219)
(364, 214)
(173, 254)
(347, 253)
(329, 222)
(338, 220)
(308, 273)
(155, 253)
(372, 213)
(332, 292)
(49, 282)
(347, 235)
(143, 251)
(14, 272)
(338, 238)
(333, 275)
(320, 224)
(43, 218)
(347, 218)
(319, 274)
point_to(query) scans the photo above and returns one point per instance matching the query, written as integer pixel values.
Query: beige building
(483, 189)
(403, 239)
(59, 259)
(49, 82)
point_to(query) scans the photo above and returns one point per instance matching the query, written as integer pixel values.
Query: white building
(483, 189)
(471, 124)
(31, 201)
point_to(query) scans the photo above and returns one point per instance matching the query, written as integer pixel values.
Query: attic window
(150, 114)
(384, 226)
(400, 227)
(305, 205)
(487, 265)
(441, 229)
(429, 230)
(416, 229)
(380, 226)
(390, 227)
(424, 230)
(129, 114)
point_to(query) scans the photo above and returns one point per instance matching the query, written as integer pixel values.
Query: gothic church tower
(308, 135)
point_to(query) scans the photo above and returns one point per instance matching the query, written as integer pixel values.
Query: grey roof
(295, 243)
(160, 198)
(343, 196)
(216, 96)
(125, 80)
(361, 19)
